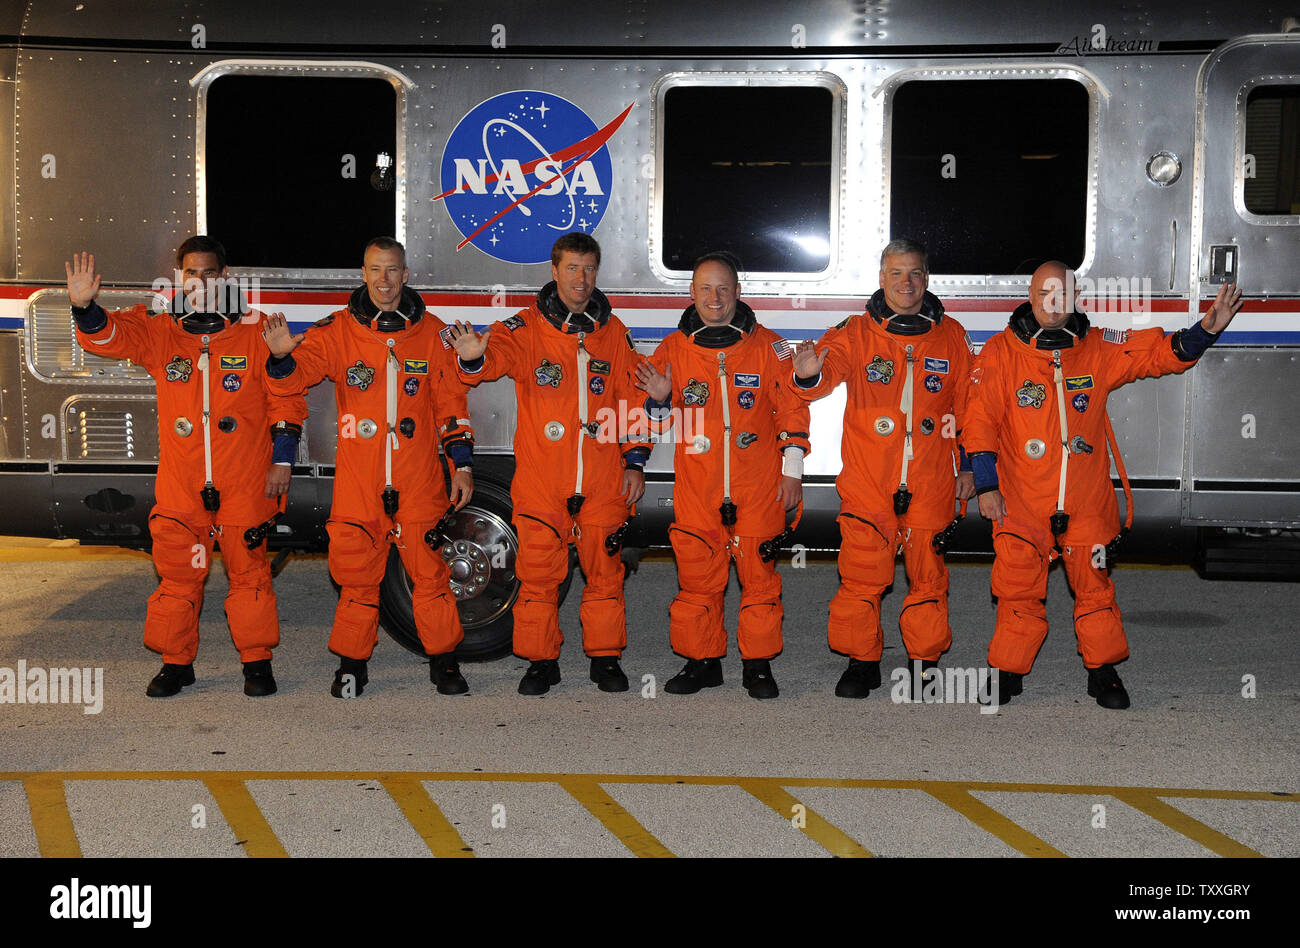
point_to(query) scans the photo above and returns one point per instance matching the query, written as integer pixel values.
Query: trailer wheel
(481, 559)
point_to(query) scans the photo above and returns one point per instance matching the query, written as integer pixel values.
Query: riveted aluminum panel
(1246, 415)
(1147, 417)
(507, 24)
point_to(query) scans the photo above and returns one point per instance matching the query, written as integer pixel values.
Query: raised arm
(295, 361)
(820, 366)
(490, 355)
(121, 334)
(1149, 353)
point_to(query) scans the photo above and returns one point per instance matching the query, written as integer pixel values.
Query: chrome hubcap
(480, 557)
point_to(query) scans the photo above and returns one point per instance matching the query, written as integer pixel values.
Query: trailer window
(991, 174)
(1271, 165)
(289, 162)
(748, 169)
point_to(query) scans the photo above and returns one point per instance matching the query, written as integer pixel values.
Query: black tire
(483, 537)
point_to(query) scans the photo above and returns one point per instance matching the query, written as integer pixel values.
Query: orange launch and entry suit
(905, 405)
(215, 417)
(1042, 411)
(733, 421)
(574, 387)
(397, 396)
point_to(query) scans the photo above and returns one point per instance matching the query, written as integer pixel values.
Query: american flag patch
(782, 349)
(1117, 336)
(445, 333)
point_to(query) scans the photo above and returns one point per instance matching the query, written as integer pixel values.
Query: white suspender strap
(584, 357)
(207, 411)
(1059, 381)
(390, 439)
(726, 427)
(905, 406)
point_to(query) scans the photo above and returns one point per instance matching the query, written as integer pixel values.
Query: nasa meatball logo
(933, 383)
(597, 385)
(745, 399)
(230, 382)
(1080, 402)
(521, 169)
(411, 386)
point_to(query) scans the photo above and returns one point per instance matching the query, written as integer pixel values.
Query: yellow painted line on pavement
(243, 816)
(426, 817)
(55, 834)
(991, 821)
(815, 826)
(1186, 825)
(991, 786)
(978, 786)
(638, 839)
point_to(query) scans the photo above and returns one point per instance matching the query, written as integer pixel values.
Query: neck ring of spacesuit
(717, 337)
(557, 313)
(201, 322)
(1027, 330)
(409, 310)
(906, 324)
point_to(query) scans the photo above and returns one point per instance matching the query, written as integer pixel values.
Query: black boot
(757, 678)
(607, 674)
(1010, 684)
(170, 680)
(444, 671)
(258, 680)
(928, 670)
(1105, 686)
(356, 667)
(858, 679)
(540, 676)
(698, 673)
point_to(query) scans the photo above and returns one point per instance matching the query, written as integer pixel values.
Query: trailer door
(1244, 398)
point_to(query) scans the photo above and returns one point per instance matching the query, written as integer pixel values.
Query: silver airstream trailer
(1156, 150)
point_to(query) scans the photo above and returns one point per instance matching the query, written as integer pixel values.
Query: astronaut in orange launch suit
(225, 452)
(733, 481)
(905, 362)
(572, 361)
(1036, 430)
(398, 398)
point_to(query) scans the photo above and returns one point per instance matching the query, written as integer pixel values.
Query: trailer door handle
(1173, 249)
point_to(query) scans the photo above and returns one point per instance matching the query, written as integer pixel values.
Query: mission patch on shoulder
(1117, 336)
(630, 344)
(324, 322)
(843, 322)
(513, 322)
